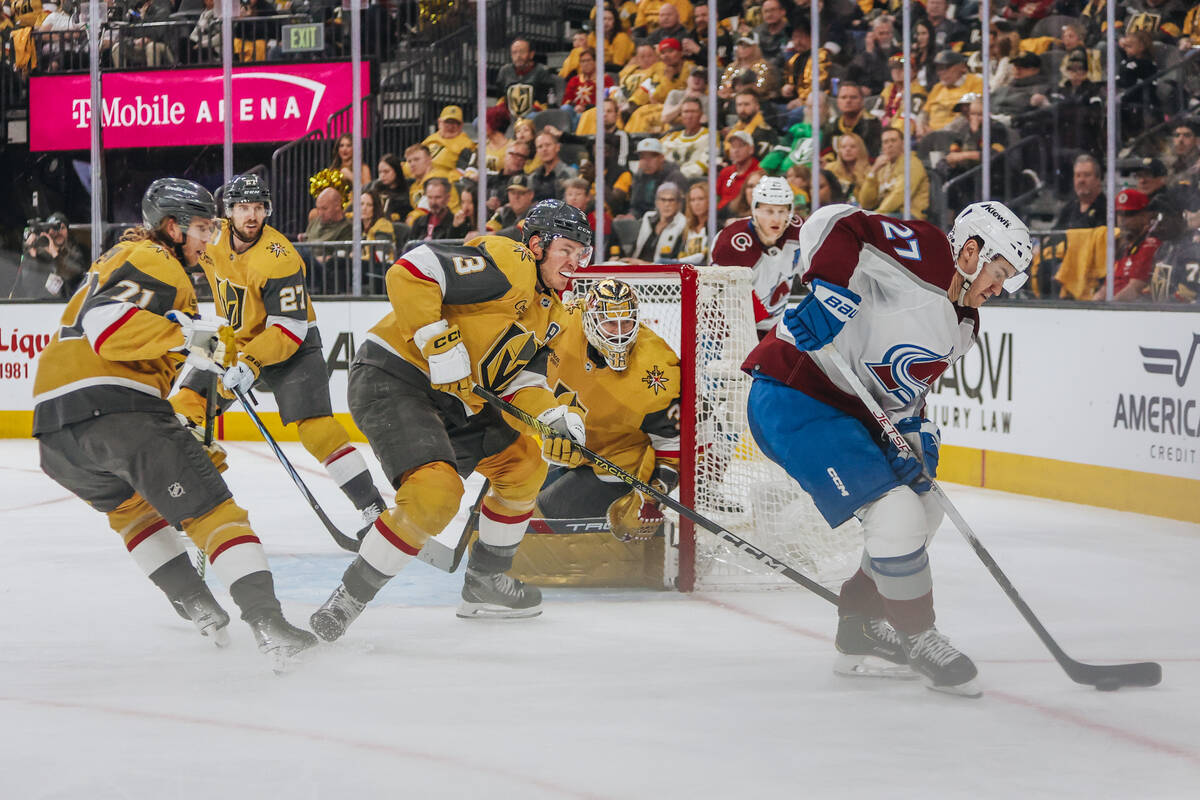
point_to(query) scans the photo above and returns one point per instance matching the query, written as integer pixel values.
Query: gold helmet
(610, 320)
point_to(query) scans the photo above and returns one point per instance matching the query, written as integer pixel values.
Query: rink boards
(1087, 405)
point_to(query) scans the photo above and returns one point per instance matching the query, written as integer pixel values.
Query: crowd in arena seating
(1047, 128)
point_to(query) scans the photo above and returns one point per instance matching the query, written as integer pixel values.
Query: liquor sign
(184, 107)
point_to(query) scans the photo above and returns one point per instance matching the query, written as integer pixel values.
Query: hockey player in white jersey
(899, 301)
(766, 242)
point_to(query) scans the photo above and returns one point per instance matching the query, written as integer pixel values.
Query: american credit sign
(177, 108)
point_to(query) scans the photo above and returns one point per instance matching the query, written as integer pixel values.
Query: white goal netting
(706, 315)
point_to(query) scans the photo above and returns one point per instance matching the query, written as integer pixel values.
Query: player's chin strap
(1110, 676)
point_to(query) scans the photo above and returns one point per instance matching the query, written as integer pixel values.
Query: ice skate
(495, 595)
(206, 614)
(940, 664)
(280, 640)
(871, 648)
(334, 616)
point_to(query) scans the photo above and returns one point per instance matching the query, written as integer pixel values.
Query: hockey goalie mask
(610, 321)
(1000, 234)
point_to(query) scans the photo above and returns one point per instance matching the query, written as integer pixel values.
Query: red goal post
(706, 315)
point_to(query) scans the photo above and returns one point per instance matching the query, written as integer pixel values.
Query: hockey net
(706, 315)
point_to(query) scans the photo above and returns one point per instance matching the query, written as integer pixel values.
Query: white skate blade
(468, 610)
(969, 689)
(219, 636)
(872, 667)
(282, 664)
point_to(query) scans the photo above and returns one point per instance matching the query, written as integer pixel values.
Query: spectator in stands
(206, 35)
(669, 27)
(520, 200)
(1137, 245)
(852, 167)
(696, 89)
(391, 188)
(1005, 46)
(965, 153)
(514, 164)
(1088, 209)
(695, 47)
(525, 131)
(774, 32)
(653, 171)
(953, 82)
(890, 108)
(376, 227)
(421, 170)
(1024, 13)
(440, 221)
(1074, 43)
(830, 191)
(851, 119)
(580, 94)
(1151, 177)
(645, 59)
(451, 149)
(1078, 108)
(889, 176)
(145, 47)
(1027, 91)
(670, 73)
(327, 268)
(694, 249)
(552, 174)
(64, 51)
(924, 53)
(52, 265)
(646, 17)
(1181, 281)
(879, 45)
(797, 86)
(343, 159)
(748, 57)
(739, 146)
(618, 47)
(375, 223)
(330, 223)
(525, 84)
(741, 205)
(1137, 96)
(578, 194)
(947, 34)
(1184, 152)
(750, 120)
(660, 235)
(688, 148)
(497, 120)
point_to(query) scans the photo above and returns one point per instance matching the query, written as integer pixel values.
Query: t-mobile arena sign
(177, 108)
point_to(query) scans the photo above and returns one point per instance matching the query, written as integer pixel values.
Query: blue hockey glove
(820, 316)
(925, 440)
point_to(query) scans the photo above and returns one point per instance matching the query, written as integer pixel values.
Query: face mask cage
(611, 326)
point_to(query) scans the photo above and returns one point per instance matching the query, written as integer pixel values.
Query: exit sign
(304, 38)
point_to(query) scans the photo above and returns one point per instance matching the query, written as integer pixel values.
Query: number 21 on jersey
(907, 246)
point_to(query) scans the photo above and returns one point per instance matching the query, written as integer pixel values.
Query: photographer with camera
(52, 265)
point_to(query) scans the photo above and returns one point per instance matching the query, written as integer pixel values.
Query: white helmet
(1000, 233)
(774, 191)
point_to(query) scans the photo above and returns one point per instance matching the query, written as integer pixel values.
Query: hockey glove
(216, 454)
(200, 336)
(819, 317)
(240, 376)
(925, 440)
(449, 362)
(570, 431)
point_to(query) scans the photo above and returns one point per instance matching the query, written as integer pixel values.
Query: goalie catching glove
(449, 362)
(562, 448)
(636, 516)
(915, 467)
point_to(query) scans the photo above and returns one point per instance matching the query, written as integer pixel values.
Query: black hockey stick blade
(732, 539)
(340, 539)
(447, 559)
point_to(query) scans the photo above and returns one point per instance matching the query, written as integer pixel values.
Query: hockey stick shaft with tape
(721, 533)
(1145, 673)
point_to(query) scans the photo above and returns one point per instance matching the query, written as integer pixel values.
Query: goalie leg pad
(148, 537)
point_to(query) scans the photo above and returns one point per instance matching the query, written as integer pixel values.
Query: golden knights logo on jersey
(655, 379)
(232, 300)
(519, 99)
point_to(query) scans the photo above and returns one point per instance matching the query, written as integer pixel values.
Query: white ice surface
(105, 693)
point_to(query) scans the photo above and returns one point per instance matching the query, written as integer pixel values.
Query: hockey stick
(730, 538)
(342, 540)
(1107, 677)
(447, 559)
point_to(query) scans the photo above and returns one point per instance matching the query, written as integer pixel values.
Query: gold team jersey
(262, 294)
(627, 411)
(114, 349)
(489, 288)
(450, 156)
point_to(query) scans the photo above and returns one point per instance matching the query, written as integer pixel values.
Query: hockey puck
(1108, 684)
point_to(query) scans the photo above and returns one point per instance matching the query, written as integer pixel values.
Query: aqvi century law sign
(176, 108)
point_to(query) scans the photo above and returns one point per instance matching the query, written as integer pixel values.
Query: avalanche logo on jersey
(908, 370)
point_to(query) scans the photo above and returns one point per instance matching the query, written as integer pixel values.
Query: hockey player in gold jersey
(627, 379)
(107, 433)
(479, 313)
(257, 279)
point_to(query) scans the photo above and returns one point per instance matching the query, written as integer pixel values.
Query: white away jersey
(738, 245)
